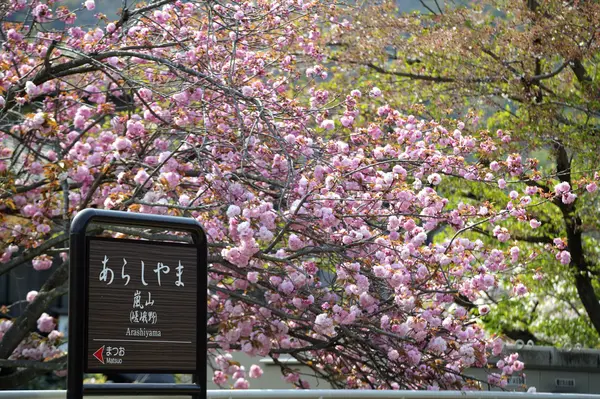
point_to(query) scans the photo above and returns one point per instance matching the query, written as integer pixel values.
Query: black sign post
(136, 306)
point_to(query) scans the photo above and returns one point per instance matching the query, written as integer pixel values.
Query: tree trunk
(578, 264)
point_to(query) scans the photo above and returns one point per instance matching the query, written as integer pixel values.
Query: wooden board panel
(141, 306)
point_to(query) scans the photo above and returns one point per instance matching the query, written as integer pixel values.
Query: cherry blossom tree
(319, 220)
(524, 66)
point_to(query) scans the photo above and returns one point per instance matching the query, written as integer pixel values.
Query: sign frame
(78, 304)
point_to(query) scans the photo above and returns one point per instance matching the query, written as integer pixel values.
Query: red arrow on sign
(99, 354)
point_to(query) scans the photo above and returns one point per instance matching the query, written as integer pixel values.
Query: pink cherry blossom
(13, 35)
(31, 296)
(252, 277)
(569, 198)
(233, 211)
(327, 124)
(55, 335)
(501, 233)
(514, 254)
(122, 144)
(438, 345)
(241, 383)
(286, 287)
(347, 121)
(534, 223)
(562, 188)
(255, 371)
(141, 177)
(295, 243)
(393, 355)
(375, 92)
(219, 377)
(31, 89)
(518, 365)
(520, 289)
(239, 14)
(46, 323)
(171, 178)
(564, 257)
(42, 263)
(82, 174)
(434, 179)
(560, 243)
(90, 4)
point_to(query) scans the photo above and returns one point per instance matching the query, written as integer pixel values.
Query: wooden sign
(141, 310)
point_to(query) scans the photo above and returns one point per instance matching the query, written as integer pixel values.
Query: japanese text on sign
(137, 315)
(107, 275)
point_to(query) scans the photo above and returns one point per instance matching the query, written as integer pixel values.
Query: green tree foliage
(529, 67)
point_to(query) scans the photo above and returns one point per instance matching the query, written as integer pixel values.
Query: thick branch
(17, 379)
(23, 189)
(549, 75)
(414, 76)
(249, 300)
(32, 370)
(56, 364)
(581, 73)
(578, 264)
(55, 286)
(29, 255)
(531, 239)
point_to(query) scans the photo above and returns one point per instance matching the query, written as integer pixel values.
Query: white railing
(324, 394)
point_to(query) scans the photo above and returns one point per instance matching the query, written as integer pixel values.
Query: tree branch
(59, 363)
(573, 223)
(23, 189)
(581, 73)
(537, 78)
(22, 377)
(428, 78)
(32, 253)
(55, 286)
